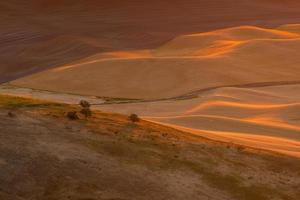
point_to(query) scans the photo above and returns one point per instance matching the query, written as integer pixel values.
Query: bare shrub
(72, 115)
(134, 118)
(86, 111)
(84, 104)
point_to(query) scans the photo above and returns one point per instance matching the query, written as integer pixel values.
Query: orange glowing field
(225, 84)
(214, 84)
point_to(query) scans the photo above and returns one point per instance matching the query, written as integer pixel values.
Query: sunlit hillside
(46, 156)
(150, 100)
(235, 85)
(40, 34)
(229, 57)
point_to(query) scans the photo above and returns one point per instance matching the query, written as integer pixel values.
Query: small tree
(84, 104)
(72, 115)
(85, 108)
(134, 118)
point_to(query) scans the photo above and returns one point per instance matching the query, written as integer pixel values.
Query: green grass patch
(13, 102)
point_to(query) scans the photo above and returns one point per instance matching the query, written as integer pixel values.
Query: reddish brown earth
(35, 35)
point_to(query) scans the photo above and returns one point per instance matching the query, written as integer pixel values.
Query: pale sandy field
(237, 85)
(266, 117)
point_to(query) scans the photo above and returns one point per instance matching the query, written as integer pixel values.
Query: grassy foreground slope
(46, 156)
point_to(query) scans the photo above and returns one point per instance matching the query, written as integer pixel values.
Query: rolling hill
(228, 57)
(41, 34)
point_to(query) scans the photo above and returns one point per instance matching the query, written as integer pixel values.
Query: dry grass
(160, 149)
(13, 102)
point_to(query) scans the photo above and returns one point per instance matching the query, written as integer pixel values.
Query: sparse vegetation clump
(134, 118)
(15, 102)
